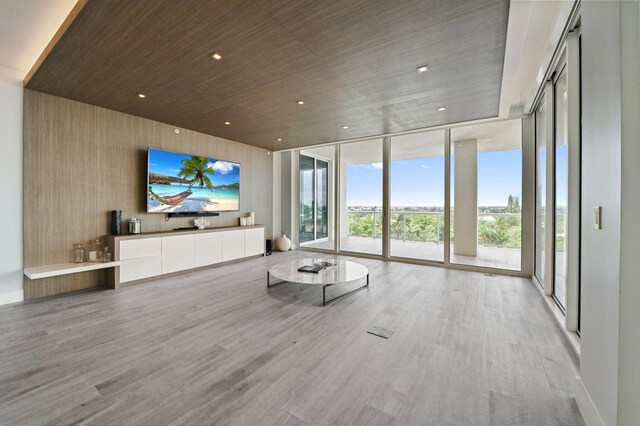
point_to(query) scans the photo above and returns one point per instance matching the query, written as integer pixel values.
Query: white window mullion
(447, 196)
(549, 214)
(573, 218)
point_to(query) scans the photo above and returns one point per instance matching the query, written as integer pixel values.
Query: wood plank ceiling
(352, 62)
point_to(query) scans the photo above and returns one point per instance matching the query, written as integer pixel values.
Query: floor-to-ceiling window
(361, 213)
(307, 199)
(541, 191)
(417, 196)
(560, 187)
(316, 198)
(322, 199)
(486, 195)
(558, 176)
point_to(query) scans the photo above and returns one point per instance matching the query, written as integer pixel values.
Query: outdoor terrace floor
(491, 257)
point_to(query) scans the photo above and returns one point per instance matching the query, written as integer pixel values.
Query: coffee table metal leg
(324, 287)
(269, 285)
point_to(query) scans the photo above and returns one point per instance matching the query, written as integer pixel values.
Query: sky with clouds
(169, 163)
(420, 182)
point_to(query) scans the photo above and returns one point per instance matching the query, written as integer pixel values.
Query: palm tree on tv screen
(196, 170)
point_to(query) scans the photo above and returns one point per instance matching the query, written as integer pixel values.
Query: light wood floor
(216, 347)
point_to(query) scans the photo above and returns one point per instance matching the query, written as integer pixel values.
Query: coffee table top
(344, 271)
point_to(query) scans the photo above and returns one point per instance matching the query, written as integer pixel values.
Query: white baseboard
(587, 408)
(13, 297)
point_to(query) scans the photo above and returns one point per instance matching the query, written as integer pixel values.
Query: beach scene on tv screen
(187, 183)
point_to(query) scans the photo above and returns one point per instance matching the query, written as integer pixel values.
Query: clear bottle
(78, 253)
(106, 255)
(93, 252)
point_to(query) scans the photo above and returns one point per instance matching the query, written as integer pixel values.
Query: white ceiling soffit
(503, 135)
(533, 32)
(26, 27)
(323, 152)
(497, 136)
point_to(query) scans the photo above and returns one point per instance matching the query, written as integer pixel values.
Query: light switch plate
(597, 218)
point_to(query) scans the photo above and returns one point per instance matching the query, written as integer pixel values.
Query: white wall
(629, 346)
(11, 178)
(610, 338)
(26, 26)
(600, 277)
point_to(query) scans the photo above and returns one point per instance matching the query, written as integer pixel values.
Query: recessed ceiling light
(227, 122)
(300, 102)
(279, 139)
(142, 95)
(345, 127)
(442, 109)
(216, 56)
(422, 68)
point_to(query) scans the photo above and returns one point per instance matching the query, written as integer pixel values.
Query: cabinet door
(178, 253)
(208, 248)
(139, 269)
(232, 245)
(143, 247)
(254, 241)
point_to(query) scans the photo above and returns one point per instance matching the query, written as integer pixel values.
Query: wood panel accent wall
(82, 161)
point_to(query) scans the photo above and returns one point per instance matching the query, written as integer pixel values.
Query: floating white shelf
(39, 272)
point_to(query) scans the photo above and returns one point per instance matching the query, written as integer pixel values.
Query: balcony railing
(405, 225)
(494, 229)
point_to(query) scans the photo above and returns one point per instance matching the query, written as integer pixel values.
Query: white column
(465, 221)
(344, 217)
(11, 275)
(277, 196)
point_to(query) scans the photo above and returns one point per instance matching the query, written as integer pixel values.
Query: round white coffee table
(335, 272)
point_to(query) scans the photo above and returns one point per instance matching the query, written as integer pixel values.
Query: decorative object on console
(201, 222)
(78, 253)
(106, 255)
(247, 220)
(252, 220)
(282, 243)
(94, 251)
(116, 222)
(135, 225)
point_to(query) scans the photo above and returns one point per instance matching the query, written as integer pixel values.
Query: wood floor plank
(215, 346)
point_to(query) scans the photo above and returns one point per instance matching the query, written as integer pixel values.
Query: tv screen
(181, 183)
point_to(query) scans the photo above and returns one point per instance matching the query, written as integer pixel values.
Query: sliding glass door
(314, 202)
(322, 200)
(307, 199)
(560, 188)
(558, 177)
(541, 191)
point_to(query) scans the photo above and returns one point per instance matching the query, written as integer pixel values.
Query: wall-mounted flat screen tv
(181, 183)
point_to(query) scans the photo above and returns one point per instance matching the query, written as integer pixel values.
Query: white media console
(153, 254)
